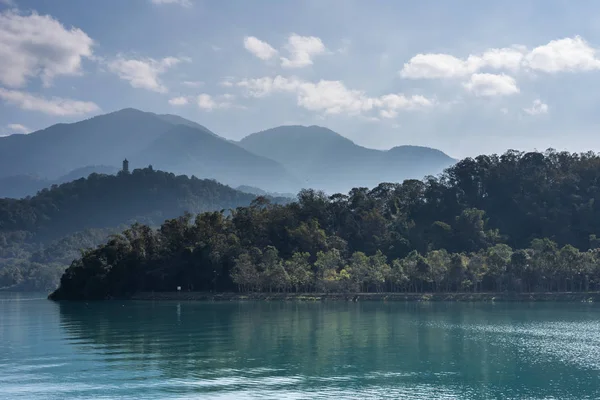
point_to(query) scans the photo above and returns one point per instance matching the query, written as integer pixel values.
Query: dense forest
(41, 235)
(516, 221)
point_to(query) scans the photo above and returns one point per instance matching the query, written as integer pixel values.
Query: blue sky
(463, 76)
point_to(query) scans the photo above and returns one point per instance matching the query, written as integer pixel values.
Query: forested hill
(41, 235)
(101, 201)
(517, 221)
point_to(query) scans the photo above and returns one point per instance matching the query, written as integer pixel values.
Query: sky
(466, 77)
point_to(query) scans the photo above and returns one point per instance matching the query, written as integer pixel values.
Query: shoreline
(586, 297)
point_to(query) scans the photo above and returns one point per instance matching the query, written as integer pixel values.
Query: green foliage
(43, 234)
(452, 233)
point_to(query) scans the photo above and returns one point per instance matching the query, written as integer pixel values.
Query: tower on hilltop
(125, 169)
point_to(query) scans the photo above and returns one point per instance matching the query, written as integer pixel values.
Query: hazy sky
(466, 77)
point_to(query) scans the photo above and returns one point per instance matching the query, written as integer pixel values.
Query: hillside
(102, 201)
(45, 232)
(165, 140)
(187, 150)
(323, 159)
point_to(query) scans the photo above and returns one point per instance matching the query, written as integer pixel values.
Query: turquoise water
(170, 350)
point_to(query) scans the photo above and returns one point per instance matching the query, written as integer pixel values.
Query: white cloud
(436, 66)
(260, 49)
(208, 103)
(193, 84)
(143, 73)
(538, 107)
(9, 3)
(39, 46)
(227, 82)
(489, 85)
(506, 58)
(332, 97)
(302, 49)
(53, 106)
(178, 101)
(568, 54)
(388, 114)
(184, 3)
(439, 66)
(18, 128)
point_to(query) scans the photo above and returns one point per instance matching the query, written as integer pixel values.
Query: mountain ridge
(332, 162)
(281, 159)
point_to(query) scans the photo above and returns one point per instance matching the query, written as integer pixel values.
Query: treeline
(543, 267)
(41, 235)
(447, 233)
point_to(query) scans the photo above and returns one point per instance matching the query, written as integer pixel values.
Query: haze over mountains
(324, 159)
(282, 159)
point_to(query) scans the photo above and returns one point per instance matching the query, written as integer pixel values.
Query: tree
(326, 267)
(299, 271)
(245, 274)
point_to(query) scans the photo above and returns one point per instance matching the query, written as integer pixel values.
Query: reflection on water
(174, 350)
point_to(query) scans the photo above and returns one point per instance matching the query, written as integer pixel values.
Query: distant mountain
(103, 140)
(259, 192)
(278, 160)
(166, 141)
(84, 172)
(20, 186)
(177, 120)
(188, 150)
(325, 160)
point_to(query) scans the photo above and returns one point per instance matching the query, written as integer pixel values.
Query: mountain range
(324, 159)
(282, 159)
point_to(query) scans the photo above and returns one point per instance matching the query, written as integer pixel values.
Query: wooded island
(521, 222)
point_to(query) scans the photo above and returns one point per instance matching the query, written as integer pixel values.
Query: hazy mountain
(165, 141)
(20, 186)
(323, 159)
(187, 150)
(279, 160)
(84, 172)
(177, 120)
(259, 192)
(61, 148)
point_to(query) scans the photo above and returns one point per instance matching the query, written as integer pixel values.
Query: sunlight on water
(169, 350)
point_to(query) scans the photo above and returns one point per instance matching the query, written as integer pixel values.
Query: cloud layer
(537, 108)
(260, 49)
(489, 85)
(143, 73)
(54, 106)
(562, 55)
(36, 45)
(333, 97)
(300, 50)
(18, 128)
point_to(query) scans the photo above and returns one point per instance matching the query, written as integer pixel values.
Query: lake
(278, 350)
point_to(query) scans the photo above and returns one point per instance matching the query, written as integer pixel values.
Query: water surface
(191, 350)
